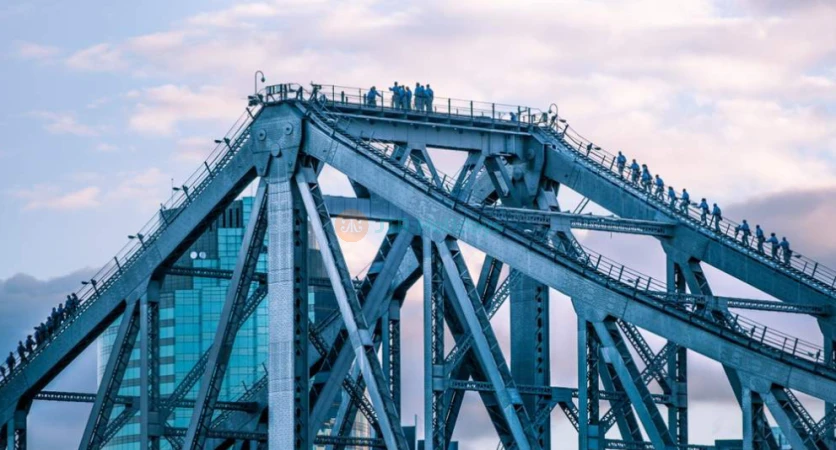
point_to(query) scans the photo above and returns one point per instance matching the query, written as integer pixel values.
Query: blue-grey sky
(103, 104)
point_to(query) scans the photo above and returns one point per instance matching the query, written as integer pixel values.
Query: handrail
(595, 266)
(800, 266)
(194, 185)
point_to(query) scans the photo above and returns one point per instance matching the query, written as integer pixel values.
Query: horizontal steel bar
(85, 397)
(580, 221)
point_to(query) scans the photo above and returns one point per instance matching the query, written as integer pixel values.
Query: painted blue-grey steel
(520, 163)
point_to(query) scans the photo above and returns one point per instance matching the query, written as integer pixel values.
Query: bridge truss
(502, 202)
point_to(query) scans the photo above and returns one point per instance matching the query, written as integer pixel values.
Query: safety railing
(593, 265)
(799, 265)
(190, 189)
(605, 163)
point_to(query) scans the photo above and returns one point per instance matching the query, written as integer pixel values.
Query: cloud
(31, 50)
(161, 108)
(99, 58)
(106, 148)
(64, 123)
(51, 198)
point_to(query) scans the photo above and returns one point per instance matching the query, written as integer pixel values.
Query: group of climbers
(402, 97)
(43, 333)
(641, 176)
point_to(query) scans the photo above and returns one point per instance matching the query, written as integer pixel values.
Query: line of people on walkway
(43, 333)
(403, 98)
(655, 186)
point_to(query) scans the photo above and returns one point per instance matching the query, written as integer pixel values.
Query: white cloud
(162, 108)
(52, 198)
(31, 50)
(193, 149)
(100, 57)
(64, 123)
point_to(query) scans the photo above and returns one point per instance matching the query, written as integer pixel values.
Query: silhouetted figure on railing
(686, 201)
(10, 361)
(50, 327)
(704, 212)
(407, 99)
(371, 97)
(635, 172)
(61, 313)
(21, 351)
(30, 344)
(3, 372)
(716, 217)
(785, 250)
(775, 244)
(660, 187)
(759, 238)
(40, 331)
(672, 197)
(621, 162)
(429, 96)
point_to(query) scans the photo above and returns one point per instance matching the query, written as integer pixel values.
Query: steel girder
(117, 363)
(149, 367)
(352, 314)
(232, 314)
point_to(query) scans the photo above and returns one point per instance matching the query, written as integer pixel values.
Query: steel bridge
(503, 202)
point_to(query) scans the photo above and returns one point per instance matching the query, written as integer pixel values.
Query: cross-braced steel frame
(503, 202)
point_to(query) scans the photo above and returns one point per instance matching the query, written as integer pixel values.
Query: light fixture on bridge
(224, 141)
(183, 188)
(93, 283)
(137, 236)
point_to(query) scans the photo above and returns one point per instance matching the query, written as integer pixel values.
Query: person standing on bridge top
(419, 97)
(759, 237)
(716, 217)
(660, 187)
(429, 96)
(621, 162)
(30, 344)
(635, 171)
(396, 95)
(371, 100)
(785, 250)
(407, 99)
(704, 212)
(774, 241)
(686, 201)
(10, 361)
(672, 196)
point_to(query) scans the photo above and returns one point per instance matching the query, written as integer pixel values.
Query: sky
(105, 105)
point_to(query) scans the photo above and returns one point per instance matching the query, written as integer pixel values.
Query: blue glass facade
(189, 312)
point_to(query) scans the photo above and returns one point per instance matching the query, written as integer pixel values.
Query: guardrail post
(449, 107)
(471, 110)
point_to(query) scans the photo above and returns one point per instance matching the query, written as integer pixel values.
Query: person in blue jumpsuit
(785, 250)
(660, 187)
(396, 95)
(716, 217)
(774, 241)
(10, 361)
(621, 162)
(646, 178)
(745, 231)
(21, 350)
(760, 238)
(704, 212)
(407, 99)
(371, 97)
(686, 201)
(635, 171)
(672, 196)
(419, 97)
(429, 96)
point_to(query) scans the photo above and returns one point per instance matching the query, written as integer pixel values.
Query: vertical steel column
(530, 361)
(748, 419)
(829, 431)
(677, 368)
(287, 277)
(589, 434)
(149, 367)
(434, 410)
(395, 351)
(16, 430)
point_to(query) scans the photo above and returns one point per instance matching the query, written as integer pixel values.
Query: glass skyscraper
(190, 308)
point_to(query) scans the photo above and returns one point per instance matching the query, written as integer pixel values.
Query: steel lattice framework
(503, 202)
